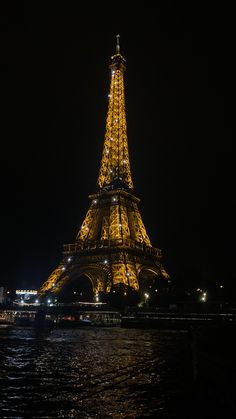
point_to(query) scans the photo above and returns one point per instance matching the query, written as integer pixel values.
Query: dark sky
(54, 86)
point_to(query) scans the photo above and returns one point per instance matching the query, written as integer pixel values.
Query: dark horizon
(55, 82)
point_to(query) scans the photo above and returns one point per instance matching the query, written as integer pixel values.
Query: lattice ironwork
(115, 164)
(112, 245)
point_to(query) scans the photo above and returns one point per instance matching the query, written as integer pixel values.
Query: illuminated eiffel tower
(112, 248)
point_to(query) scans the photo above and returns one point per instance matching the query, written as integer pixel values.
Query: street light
(204, 297)
(146, 296)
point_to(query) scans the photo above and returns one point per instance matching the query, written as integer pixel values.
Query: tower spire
(115, 170)
(117, 44)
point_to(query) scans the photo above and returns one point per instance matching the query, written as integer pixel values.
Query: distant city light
(146, 295)
(69, 259)
(36, 301)
(105, 261)
(23, 292)
(49, 301)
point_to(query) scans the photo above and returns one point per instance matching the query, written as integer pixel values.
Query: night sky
(54, 92)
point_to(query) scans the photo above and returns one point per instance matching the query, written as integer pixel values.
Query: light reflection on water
(92, 373)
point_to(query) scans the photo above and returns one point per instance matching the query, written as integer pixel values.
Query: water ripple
(92, 373)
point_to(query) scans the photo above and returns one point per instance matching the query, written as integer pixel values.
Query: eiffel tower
(112, 248)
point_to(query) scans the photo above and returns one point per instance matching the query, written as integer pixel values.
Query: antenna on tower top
(117, 44)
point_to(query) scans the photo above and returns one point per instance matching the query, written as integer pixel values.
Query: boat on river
(73, 323)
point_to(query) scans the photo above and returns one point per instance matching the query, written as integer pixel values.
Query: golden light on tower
(115, 164)
(112, 246)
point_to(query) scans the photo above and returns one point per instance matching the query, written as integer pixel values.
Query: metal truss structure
(112, 246)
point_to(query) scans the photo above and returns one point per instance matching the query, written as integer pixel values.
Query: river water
(96, 373)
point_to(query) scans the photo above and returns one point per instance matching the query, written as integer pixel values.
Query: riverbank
(75, 316)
